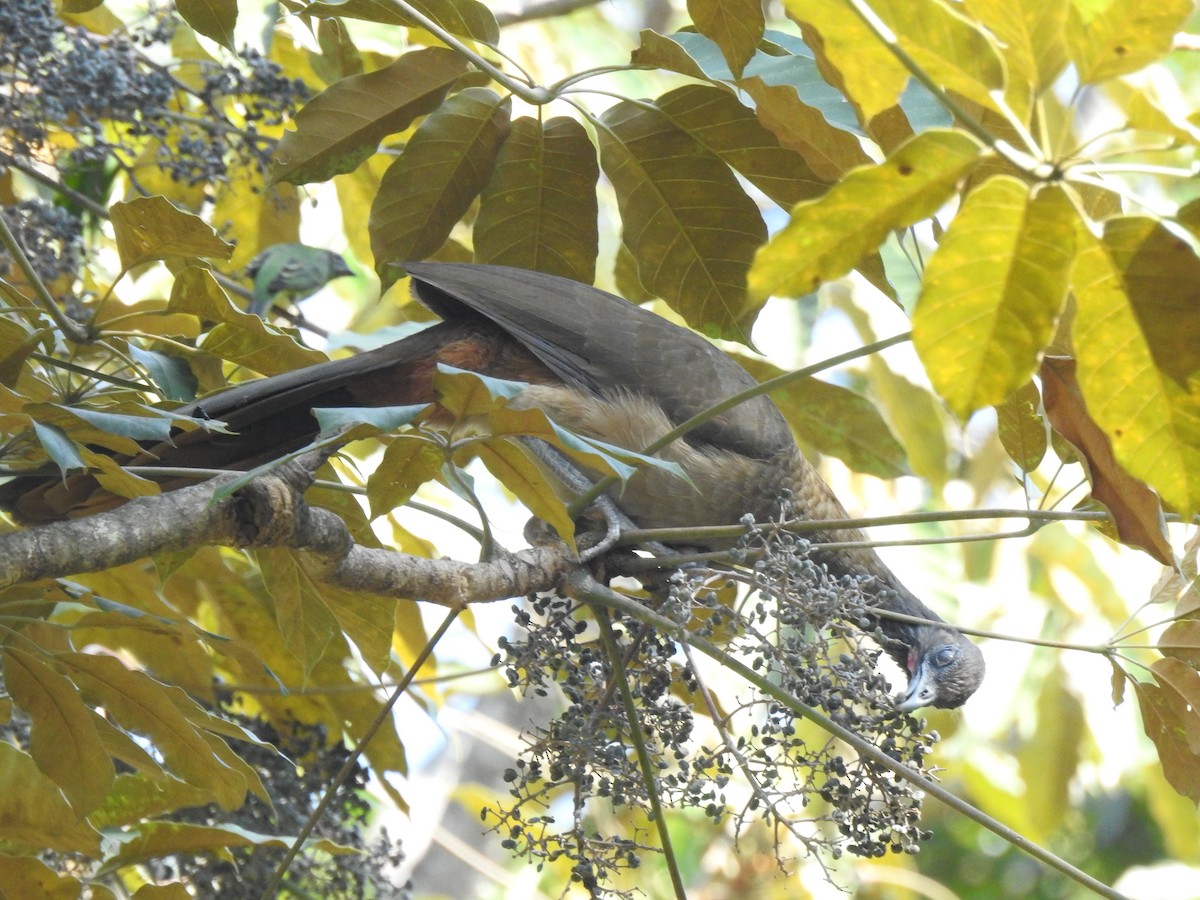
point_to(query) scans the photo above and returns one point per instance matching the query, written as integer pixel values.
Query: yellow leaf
(33, 813)
(149, 228)
(827, 236)
(252, 343)
(408, 462)
(951, 49)
(517, 472)
(173, 891)
(1160, 271)
(1153, 422)
(24, 876)
(1108, 38)
(829, 150)
(993, 292)
(1031, 39)
(303, 617)
(141, 704)
(368, 620)
(63, 738)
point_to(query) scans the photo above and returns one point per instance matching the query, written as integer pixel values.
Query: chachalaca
(599, 366)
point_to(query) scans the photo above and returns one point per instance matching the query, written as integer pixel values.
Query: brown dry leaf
(1180, 765)
(1134, 507)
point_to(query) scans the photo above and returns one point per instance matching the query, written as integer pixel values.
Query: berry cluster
(784, 615)
(51, 236)
(96, 107)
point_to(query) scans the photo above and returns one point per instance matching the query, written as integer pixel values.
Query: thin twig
(649, 774)
(269, 892)
(584, 587)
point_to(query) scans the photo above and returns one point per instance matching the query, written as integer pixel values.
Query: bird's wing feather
(598, 341)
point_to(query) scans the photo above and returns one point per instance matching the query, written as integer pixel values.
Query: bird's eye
(945, 656)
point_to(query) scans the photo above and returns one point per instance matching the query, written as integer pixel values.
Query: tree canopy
(960, 240)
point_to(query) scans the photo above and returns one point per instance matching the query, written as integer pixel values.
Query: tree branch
(269, 512)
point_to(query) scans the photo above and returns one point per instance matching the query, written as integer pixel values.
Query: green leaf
(539, 210)
(689, 225)
(688, 54)
(467, 18)
(915, 416)
(172, 376)
(799, 126)
(1022, 429)
(736, 26)
(212, 18)
(138, 428)
(1153, 423)
(533, 422)
(384, 419)
(1049, 759)
(137, 797)
(1108, 38)
(837, 422)
(993, 292)
(59, 447)
(727, 129)
(343, 125)
(443, 168)
(150, 228)
(827, 236)
(63, 738)
(301, 613)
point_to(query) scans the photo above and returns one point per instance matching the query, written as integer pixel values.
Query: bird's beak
(922, 690)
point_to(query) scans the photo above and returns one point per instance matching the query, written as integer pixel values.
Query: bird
(296, 269)
(602, 367)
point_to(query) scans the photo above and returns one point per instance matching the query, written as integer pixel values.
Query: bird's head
(944, 669)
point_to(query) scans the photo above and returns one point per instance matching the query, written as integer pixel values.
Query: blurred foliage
(1017, 178)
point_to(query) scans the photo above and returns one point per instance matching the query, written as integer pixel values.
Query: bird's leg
(577, 482)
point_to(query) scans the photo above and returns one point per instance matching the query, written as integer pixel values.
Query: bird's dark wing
(594, 340)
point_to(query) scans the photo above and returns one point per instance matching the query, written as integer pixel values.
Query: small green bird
(297, 269)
